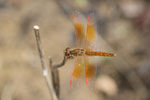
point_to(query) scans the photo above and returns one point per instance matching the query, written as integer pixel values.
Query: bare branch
(55, 78)
(61, 64)
(46, 73)
(55, 74)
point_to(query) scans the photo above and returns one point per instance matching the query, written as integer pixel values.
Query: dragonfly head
(68, 53)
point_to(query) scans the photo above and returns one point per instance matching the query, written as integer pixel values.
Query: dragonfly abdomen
(99, 54)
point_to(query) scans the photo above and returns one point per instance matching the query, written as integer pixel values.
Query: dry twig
(55, 74)
(52, 75)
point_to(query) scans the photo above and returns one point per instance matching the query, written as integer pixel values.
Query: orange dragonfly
(85, 35)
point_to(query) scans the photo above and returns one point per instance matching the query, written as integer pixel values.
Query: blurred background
(122, 25)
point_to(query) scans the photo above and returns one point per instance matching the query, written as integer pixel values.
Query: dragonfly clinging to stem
(85, 35)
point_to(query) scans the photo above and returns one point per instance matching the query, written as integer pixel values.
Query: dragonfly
(85, 35)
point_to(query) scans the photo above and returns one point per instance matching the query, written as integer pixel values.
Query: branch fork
(51, 74)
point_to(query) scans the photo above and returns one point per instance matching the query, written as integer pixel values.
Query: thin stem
(55, 74)
(61, 64)
(46, 73)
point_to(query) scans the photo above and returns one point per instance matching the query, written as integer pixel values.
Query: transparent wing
(90, 35)
(91, 39)
(79, 26)
(90, 70)
(89, 43)
(78, 69)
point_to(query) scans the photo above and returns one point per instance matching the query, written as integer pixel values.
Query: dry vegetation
(123, 27)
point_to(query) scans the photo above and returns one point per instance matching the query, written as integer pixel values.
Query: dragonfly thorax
(71, 53)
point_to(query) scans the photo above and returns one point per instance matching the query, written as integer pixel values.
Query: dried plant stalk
(52, 75)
